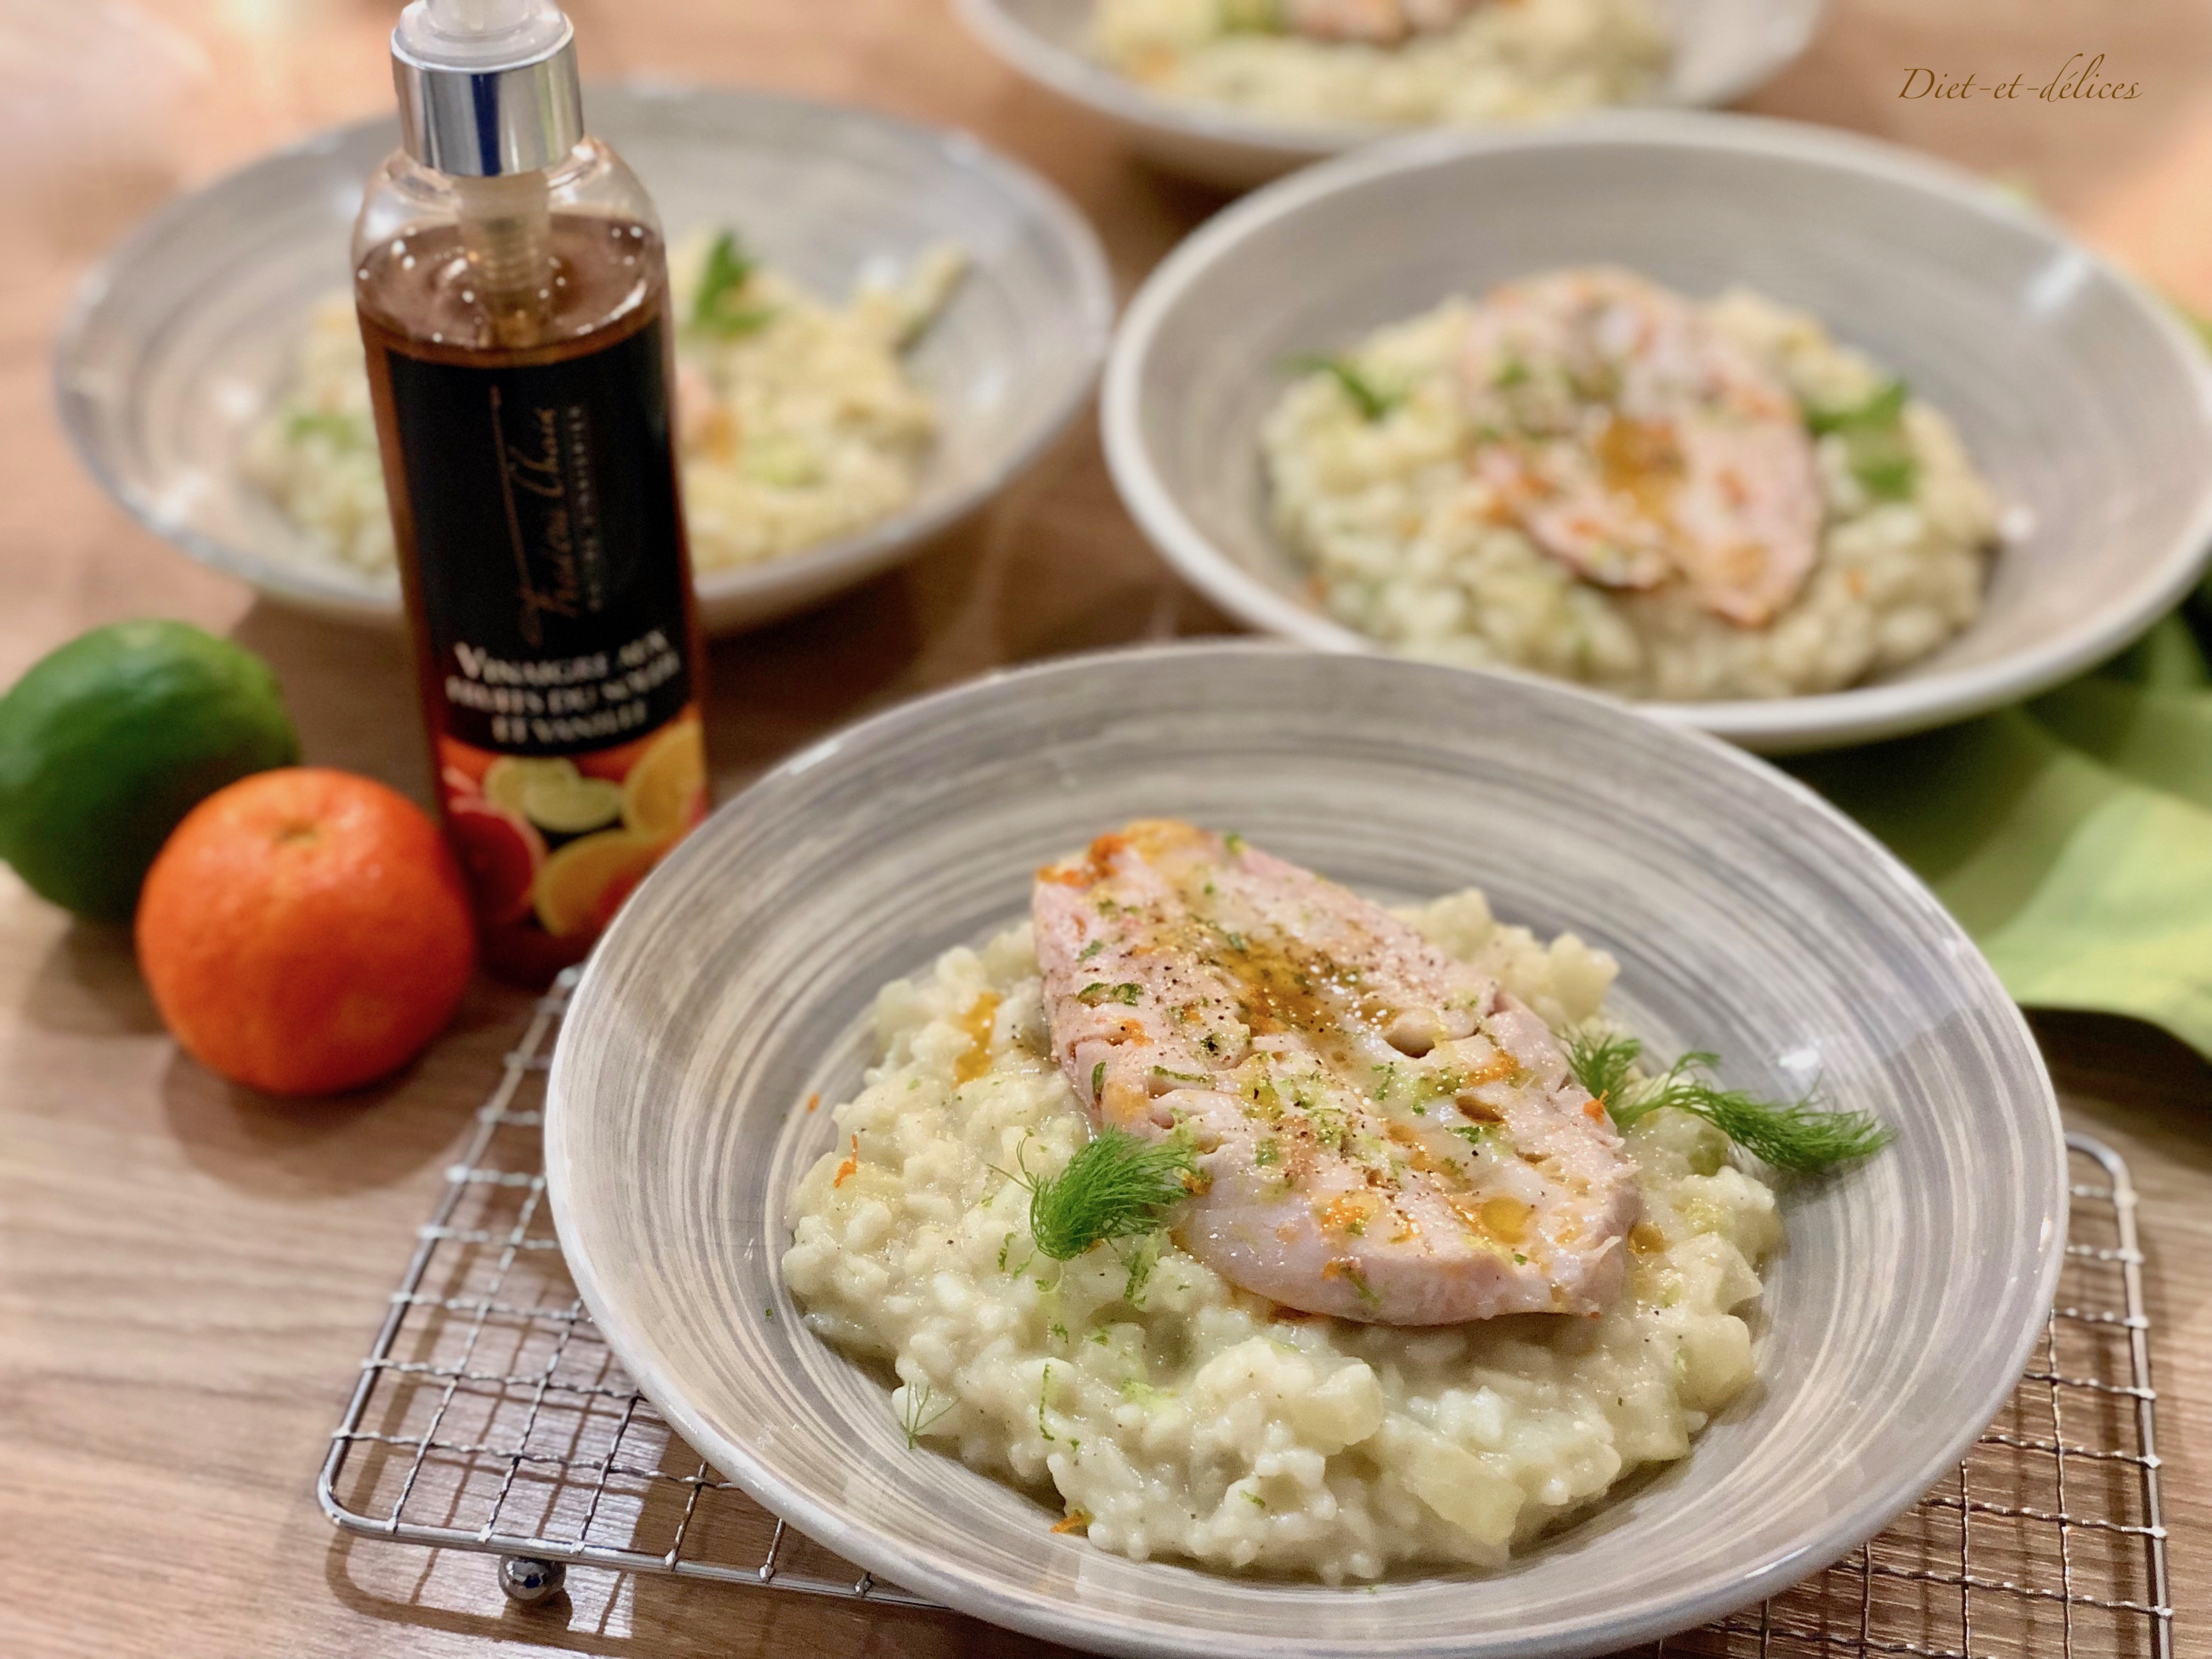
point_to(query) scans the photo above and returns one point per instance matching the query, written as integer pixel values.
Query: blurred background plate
(178, 344)
(2084, 401)
(1749, 918)
(1722, 49)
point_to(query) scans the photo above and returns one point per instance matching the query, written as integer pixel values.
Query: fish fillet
(1637, 445)
(1383, 1133)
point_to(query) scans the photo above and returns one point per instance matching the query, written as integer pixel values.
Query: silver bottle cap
(487, 88)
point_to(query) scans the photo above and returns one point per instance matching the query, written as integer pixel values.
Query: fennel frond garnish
(1801, 1136)
(1117, 1186)
(922, 1413)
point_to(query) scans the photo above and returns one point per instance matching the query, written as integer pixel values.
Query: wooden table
(189, 1274)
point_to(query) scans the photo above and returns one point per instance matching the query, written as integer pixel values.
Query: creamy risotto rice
(796, 419)
(1169, 1413)
(1506, 60)
(1405, 541)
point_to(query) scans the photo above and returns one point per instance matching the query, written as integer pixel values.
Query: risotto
(1506, 61)
(1169, 1413)
(796, 419)
(1377, 464)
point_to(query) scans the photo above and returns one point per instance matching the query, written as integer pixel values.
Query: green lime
(105, 744)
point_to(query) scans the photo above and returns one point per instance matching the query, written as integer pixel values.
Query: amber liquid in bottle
(523, 413)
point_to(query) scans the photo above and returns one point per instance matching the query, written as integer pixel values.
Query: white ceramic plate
(1722, 49)
(1748, 917)
(2082, 399)
(178, 342)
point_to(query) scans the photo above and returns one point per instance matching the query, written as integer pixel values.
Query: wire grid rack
(490, 1416)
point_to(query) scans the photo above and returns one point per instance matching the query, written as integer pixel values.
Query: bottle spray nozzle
(487, 86)
(468, 34)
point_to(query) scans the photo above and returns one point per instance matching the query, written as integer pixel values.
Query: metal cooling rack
(491, 1417)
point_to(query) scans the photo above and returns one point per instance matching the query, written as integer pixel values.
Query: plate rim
(1788, 725)
(1095, 87)
(823, 1520)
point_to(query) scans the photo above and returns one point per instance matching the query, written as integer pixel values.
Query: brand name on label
(551, 513)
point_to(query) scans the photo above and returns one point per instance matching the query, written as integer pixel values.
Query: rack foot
(528, 1580)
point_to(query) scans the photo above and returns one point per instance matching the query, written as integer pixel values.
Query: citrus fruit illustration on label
(551, 845)
(552, 794)
(500, 854)
(585, 882)
(666, 792)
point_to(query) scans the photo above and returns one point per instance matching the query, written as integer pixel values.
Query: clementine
(305, 930)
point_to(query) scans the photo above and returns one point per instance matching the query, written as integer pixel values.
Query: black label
(547, 539)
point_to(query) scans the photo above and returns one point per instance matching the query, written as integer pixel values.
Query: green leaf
(922, 1413)
(1118, 1186)
(1801, 1136)
(1884, 409)
(1373, 403)
(732, 325)
(1876, 444)
(1602, 1063)
(728, 270)
(1889, 478)
(338, 428)
(1251, 17)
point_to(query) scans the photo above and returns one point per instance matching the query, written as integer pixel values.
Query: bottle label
(551, 578)
(546, 536)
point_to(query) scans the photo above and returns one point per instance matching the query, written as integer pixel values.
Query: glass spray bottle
(513, 292)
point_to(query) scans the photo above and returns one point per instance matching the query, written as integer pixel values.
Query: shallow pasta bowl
(2083, 401)
(178, 344)
(1749, 918)
(1721, 49)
